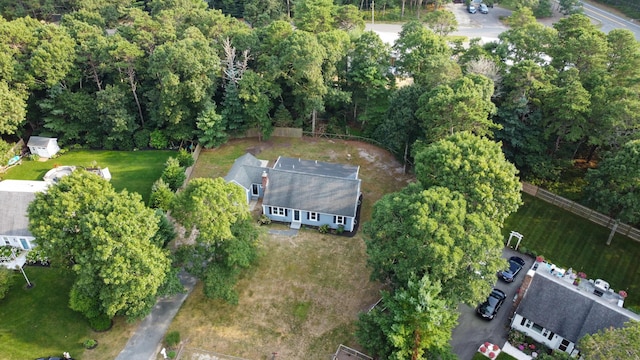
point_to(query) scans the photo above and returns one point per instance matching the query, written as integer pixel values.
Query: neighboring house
(300, 191)
(557, 313)
(43, 146)
(15, 197)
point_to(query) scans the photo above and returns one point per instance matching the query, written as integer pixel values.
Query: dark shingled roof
(312, 192)
(567, 311)
(246, 170)
(317, 167)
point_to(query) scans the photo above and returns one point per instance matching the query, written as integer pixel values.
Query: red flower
(483, 349)
(539, 258)
(496, 347)
(532, 346)
(486, 343)
(622, 293)
(492, 355)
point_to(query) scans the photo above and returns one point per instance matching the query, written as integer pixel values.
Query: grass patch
(303, 297)
(571, 241)
(38, 322)
(134, 171)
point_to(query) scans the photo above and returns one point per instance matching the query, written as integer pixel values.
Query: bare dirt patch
(304, 296)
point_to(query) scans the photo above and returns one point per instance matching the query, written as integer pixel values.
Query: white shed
(43, 146)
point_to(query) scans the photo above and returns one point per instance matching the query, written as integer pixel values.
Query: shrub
(100, 323)
(264, 220)
(185, 158)
(323, 229)
(34, 157)
(172, 339)
(172, 354)
(90, 344)
(161, 195)
(37, 255)
(141, 138)
(340, 229)
(173, 174)
(158, 140)
(6, 280)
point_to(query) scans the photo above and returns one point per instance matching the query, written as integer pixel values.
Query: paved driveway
(473, 330)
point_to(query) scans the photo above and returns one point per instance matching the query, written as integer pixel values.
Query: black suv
(490, 307)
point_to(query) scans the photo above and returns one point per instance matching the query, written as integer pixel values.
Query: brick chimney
(265, 180)
(522, 291)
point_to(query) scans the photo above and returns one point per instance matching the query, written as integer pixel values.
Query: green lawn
(571, 241)
(37, 322)
(132, 170)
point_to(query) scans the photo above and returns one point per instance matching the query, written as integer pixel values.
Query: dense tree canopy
(612, 343)
(106, 237)
(226, 239)
(474, 167)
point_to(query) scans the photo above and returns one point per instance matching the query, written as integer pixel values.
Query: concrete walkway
(145, 344)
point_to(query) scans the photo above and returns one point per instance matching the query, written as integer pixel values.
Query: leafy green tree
(622, 343)
(185, 71)
(314, 15)
(464, 105)
(348, 18)
(613, 188)
(368, 77)
(476, 168)
(434, 232)
(256, 93)
(173, 174)
(13, 108)
(262, 12)
(424, 56)
(566, 107)
(226, 241)
(211, 130)
(401, 128)
(161, 195)
(543, 9)
(570, 7)
(412, 320)
(526, 39)
(117, 120)
(106, 237)
(441, 22)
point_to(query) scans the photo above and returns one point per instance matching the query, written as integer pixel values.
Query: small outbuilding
(43, 146)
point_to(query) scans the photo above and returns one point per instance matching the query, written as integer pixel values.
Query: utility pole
(373, 5)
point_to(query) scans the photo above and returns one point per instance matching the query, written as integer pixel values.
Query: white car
(484, 9)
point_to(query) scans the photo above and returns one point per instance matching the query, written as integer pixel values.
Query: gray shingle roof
(13, 213)
(312, 192)
(246, 170)
(317, 167)
(569, 312)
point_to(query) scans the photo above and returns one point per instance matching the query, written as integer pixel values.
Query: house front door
(296, 215)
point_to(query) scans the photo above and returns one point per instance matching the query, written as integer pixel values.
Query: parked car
(483, 8)
(490, 307)
(515, 265)
(471, 9)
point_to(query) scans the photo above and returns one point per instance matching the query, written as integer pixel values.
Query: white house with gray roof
(558, 314)
(15, 197)
(299, 191)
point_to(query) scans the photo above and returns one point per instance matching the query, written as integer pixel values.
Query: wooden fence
(277, 132)
(580, 210)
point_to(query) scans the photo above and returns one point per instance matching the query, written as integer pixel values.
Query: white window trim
(341, 220)
(314, 216)
(278, 211)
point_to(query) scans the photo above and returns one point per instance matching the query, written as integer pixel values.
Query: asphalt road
(472, 330)
(609, 21)
(488, 26)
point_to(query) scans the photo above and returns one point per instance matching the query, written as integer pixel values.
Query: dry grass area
(303, 297)
(111, 343)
